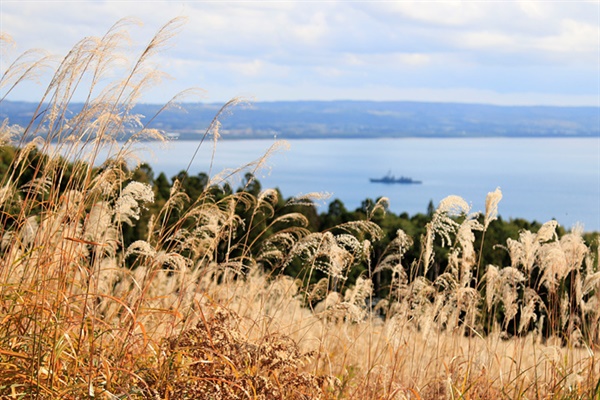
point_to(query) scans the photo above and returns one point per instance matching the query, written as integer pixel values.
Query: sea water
(540, 178)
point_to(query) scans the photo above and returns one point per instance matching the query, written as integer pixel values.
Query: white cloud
(447, 13)
(487, 40)
(391, 59)
(346, 49)
(251, 68)
(574, 37)
(313, 31)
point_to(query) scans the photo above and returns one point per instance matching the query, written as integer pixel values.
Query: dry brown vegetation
(189, 312)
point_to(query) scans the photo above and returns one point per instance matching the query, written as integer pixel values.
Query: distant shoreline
(266, 139)
(355, 120)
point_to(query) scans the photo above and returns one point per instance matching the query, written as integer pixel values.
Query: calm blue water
(540, 179)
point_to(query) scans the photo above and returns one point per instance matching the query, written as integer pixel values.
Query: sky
(492, 52)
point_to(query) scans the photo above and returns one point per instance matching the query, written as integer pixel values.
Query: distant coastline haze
(355, 119)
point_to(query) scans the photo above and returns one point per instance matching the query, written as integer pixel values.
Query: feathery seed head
(141, 247)
(98, 227)
(6, 193)
(523, 252)
(553, 263)
(308, 199)
(382, 204)
(9, 132)
(127, 206)
(268, 196)
(466, 237)
(574, 249)
(511, 278)
(491, 207)
(453, 205)
(547, 232)
(528, 314)
(493, 283)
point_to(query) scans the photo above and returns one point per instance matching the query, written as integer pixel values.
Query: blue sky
(497, 52)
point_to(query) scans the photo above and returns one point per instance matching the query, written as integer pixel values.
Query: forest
(264, 223)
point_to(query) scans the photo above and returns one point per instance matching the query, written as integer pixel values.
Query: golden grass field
(189, 312)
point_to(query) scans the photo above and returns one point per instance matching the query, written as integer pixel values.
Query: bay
(540, 178)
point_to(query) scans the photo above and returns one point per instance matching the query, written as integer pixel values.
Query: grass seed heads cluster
(201, 303)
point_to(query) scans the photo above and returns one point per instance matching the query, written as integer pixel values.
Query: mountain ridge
(357, 119)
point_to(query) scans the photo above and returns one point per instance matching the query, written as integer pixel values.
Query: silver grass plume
(511, 279)
(574, 248)
(177, 197)
(355, 299)
(491, 207)
(339, 259)
(524, 251)
(361, 227)
(308, 199)
(394, 253)
(276, 246)
(322, 252)
(493, 284)
(381, 205)
(9, 132)
(99, 229)
(467, 299)
(140, 248)
(591, 284)
(442, 225)
(418, 301)
(468, 258)
(268, 197)
(530, 300)
(108, 181)
(445, 301)
(127, 206)
(547, 231)
(28, 66)
(553, 264)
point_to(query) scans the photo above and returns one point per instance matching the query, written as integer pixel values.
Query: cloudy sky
(498, 52)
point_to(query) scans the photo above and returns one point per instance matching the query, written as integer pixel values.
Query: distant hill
(361, 119)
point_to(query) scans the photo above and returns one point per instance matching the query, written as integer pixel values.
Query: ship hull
(396, 181)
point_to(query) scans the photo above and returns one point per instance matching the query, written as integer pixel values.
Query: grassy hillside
(200, 307)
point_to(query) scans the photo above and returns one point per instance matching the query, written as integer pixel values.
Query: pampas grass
(201, 307)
